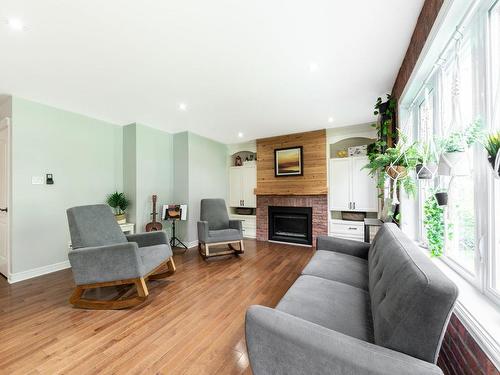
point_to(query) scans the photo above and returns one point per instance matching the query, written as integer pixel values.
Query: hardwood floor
(193, 322)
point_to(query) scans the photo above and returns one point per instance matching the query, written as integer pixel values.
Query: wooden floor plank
(192, 323)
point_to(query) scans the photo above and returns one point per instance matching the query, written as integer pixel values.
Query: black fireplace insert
(290, 224)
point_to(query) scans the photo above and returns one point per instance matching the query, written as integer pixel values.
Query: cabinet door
(364, 187)
(235, 194)
(249, 183)
(339, 184)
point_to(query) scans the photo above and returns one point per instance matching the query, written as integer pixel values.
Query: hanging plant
(435, 226)
(395, 162)
(492, 145)
(426, 167)
(453, 158)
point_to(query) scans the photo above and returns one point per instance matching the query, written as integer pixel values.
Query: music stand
(174, 241)
(173, 213)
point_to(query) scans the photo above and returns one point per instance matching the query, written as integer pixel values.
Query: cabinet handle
(353, 228)
(354, 205)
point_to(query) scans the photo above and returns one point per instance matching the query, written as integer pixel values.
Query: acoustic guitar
(154, 225)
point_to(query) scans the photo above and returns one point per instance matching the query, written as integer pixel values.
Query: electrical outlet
(37, 180)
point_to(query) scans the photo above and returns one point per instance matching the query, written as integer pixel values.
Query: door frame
(6, 123)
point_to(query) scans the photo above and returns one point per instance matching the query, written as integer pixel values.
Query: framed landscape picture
(288, 161)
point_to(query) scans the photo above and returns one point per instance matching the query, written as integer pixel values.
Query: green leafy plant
(118, 202)
(399, 157)
(492, 145)
(426, 153)
(434, 225)
(459, 141)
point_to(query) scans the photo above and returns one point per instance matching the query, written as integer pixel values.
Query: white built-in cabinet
(242, 184)
(351, 188)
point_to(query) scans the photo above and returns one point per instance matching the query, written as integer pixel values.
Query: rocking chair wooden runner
(215, 228)
(103, 256)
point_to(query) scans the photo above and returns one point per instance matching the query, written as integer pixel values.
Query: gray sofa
(356, 309)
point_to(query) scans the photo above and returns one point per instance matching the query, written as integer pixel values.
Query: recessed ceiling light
(240, 135)
(313, 67)
(330, 119)
(15, 24)
(182, 107)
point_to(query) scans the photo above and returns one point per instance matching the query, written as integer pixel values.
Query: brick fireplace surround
(319, 204)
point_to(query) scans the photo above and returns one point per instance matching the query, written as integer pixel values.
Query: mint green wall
(84, 154)
(155, 171)
(200, 171)
(130, 170)
(208, 177)
(91, 158)
(181, 179)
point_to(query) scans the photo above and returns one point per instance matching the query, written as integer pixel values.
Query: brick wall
(460, 354)
(319, 204)
(425, 21)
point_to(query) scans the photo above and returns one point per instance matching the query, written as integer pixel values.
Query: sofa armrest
(101, 264)
(202, 231)
(340, 245)
(279, 343)
(149, 238)
(236, 224)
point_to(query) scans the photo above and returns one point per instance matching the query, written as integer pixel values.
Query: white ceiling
(240, 66)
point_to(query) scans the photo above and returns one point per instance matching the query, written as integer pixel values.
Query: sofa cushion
(331, 304)
(153, 256)
(223, 235)
(411, 298)
(339, 267)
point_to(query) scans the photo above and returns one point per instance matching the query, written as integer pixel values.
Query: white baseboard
(191, 244)
(25, 275)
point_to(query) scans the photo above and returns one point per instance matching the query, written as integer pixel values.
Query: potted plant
(434, 223)
(119, 203)
(493, 147)
(395, 162)
(453, 147)
(426, 167)
(441, 197)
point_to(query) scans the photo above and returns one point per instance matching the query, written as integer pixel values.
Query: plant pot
(426, 172)
(396, 171)
(383, 107)
(121, 218)
(453, 163)
(442, 198)
(492, 161)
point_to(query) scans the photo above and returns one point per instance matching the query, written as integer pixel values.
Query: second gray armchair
(215, 228)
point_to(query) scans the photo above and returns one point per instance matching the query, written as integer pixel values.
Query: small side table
(127, 228)
(371, 223)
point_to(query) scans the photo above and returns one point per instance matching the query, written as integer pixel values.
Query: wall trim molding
(191, 244)
(35, 272)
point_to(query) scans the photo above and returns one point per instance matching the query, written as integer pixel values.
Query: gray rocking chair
(103, 256)
(215, 228)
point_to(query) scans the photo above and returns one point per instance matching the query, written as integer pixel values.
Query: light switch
(37, 180)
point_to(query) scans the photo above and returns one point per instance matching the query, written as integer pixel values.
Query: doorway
(4, 196)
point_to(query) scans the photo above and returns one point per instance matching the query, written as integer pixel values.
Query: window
(463, 88)
(494, 70)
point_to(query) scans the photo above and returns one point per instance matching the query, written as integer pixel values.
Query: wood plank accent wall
(314, 180)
